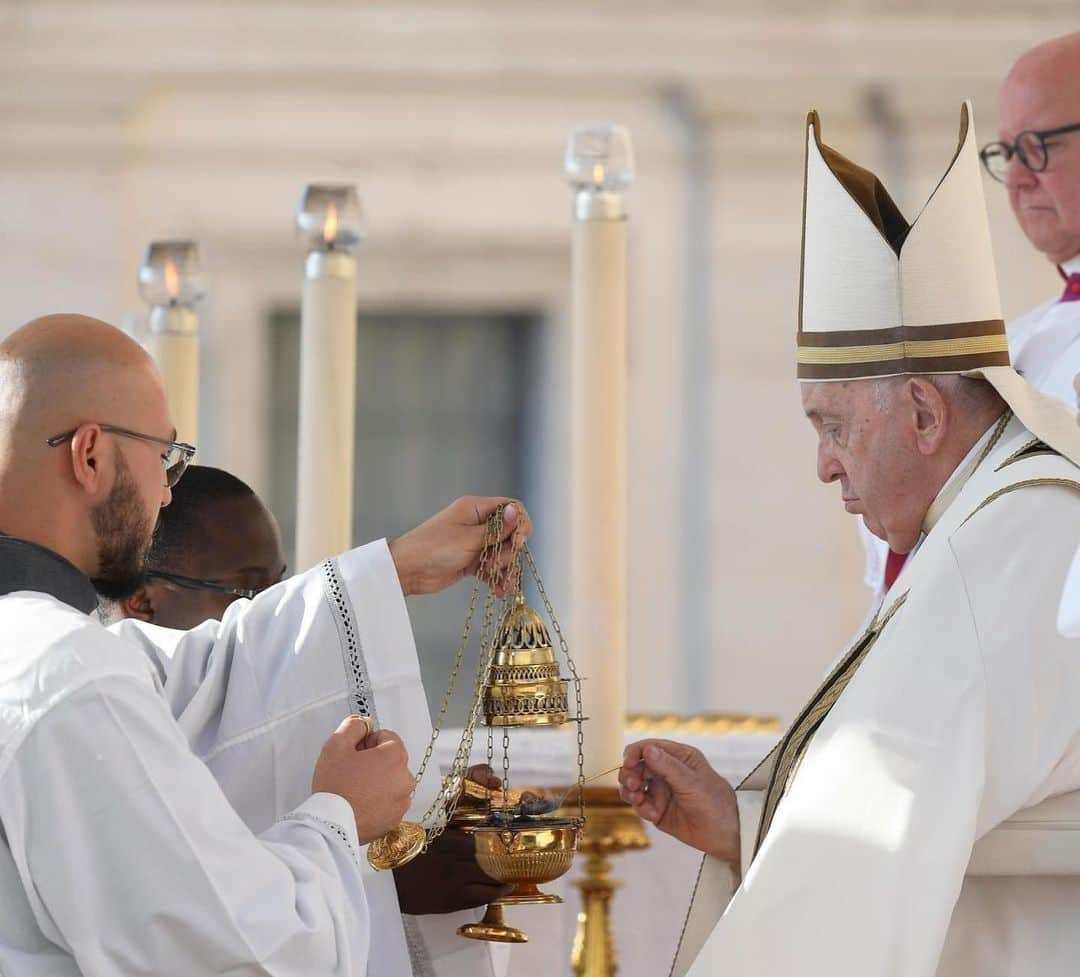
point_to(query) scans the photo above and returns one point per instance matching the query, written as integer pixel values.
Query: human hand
(371, 771)
(446, 878)
(482, 774)
(672, 786)
(447, 547)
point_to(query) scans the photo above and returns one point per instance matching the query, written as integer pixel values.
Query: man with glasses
(170, 801)
(215, 543)
(1037, 159)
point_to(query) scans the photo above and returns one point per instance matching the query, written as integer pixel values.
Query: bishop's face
(864, 445)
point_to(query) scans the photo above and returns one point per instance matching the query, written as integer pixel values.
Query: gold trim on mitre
(932, 346)
(882, 297)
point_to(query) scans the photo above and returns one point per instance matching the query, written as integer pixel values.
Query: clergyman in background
(1037, 158)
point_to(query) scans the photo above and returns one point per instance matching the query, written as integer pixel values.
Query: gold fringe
(709, 723)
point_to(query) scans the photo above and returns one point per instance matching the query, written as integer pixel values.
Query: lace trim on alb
(360, 702)
(419, 955)
(337, 829)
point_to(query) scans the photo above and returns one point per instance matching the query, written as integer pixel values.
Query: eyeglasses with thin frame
(175, 460)
(193, 583)
(1031, 147)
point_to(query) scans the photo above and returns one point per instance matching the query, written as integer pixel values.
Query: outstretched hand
(673, 786)
(447, 547)
(446, 877)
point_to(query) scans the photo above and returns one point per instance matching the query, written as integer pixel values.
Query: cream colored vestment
(915, 836)
(155, 815)
(1044, 346)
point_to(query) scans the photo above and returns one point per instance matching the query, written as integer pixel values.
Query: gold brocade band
(860, 353)
(795, 742)
(707, 723)
(890, 368)
(912, 349)
(900, 334)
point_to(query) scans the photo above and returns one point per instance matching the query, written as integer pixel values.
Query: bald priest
(905, 823)
(178, 802)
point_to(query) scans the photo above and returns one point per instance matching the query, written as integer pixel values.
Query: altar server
(865, 842)
(120, 853)
(214, 544)
(217, 543)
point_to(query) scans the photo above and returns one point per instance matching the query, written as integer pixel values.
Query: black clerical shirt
(27, 566)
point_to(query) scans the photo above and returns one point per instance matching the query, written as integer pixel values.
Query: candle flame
(172, 280)
(598, 174)
(330, 225)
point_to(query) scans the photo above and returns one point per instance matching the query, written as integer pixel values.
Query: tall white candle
(173, 341)
(599, 165)
(326, 448)
(170, 280)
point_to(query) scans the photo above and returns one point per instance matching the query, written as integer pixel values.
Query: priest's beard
(123, 537)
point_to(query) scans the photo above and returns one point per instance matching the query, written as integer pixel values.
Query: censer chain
(437, 816)
(434, 821)
(565, 648)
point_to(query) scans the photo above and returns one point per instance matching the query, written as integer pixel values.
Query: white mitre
(880, 297)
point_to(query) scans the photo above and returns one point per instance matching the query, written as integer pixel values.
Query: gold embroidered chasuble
(956, 709)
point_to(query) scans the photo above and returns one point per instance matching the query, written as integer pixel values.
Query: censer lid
(522, 628)
(523, 686)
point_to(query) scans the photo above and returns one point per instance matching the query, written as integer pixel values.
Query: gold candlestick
(611, 827)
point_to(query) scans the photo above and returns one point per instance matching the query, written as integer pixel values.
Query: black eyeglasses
(175, 460)
(192, 583)
(1031, 148)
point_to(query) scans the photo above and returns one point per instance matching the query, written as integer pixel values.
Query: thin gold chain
(438, 814)
(509, 580)
(579, 718)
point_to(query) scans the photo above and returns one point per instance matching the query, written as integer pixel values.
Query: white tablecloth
(649, 908)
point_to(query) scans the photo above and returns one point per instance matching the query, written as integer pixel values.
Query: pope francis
(917, 817)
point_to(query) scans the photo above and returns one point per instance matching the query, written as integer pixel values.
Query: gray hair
(969, 394)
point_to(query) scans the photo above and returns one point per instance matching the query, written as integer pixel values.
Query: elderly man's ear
(929, 414)
(140, 605)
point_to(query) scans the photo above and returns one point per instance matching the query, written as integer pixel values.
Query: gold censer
(519, 838)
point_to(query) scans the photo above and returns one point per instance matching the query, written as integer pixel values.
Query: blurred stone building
(126, 120)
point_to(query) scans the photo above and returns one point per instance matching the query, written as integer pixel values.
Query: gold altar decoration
(611, 828)
(701, 724)
(519, 839)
